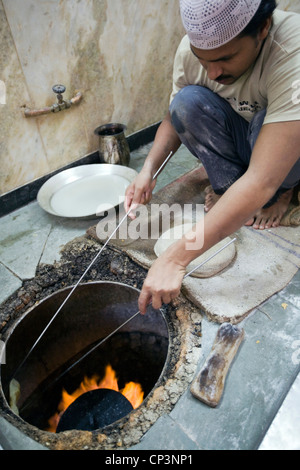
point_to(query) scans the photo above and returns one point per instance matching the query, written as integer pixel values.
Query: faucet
(56, 107)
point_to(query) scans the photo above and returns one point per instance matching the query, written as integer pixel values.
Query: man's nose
(214, 71)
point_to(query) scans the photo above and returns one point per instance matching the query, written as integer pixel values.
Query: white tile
(23, 235)
(284, 432)
(9, 283)
(61, 233)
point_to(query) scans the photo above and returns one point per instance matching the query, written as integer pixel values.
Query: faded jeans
(221, 139)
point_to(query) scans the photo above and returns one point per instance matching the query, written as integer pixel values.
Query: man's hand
(166, 140)
(163, 283)
(139, 191)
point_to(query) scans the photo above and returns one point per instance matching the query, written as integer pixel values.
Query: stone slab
(258, 381)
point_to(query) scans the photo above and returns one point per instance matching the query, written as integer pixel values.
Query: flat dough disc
(221, 261)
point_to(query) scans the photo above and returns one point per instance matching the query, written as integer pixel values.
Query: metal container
(113, 146)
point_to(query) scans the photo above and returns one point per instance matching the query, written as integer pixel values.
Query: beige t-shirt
(273, 82)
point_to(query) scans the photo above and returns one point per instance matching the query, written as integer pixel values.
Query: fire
(132, 391)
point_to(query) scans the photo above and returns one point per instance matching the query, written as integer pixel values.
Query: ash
(75, 258)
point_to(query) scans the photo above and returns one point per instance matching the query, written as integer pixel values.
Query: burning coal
(132, 391)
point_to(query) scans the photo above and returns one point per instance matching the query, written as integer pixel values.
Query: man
(235, 106)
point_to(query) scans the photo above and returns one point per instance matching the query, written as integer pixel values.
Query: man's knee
(182, 107)
(255, 126)
(189, 104)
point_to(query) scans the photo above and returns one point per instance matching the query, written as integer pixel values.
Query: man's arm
(166, 140)
(276, 151)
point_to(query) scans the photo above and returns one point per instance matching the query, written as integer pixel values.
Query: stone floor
(260, 408)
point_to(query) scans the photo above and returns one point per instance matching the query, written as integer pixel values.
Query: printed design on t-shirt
(244, 106)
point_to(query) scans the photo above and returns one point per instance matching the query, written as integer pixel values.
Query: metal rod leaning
(97, 345)
(85, 272)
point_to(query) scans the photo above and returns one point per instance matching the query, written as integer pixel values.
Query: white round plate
(86, 190)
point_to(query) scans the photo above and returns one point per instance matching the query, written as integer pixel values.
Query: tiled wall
(290, 5)
(119, 53)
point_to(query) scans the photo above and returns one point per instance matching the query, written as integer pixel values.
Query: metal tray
(85, 191)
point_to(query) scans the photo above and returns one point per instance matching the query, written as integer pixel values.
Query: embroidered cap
(212, 23)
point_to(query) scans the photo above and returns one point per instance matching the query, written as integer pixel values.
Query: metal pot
(113, 146)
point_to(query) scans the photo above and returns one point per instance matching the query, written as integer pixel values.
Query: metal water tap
(61, 104)
(56, 107)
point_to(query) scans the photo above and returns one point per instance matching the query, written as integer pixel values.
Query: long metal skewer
(97, 345)
(133, 316)
(85, 272)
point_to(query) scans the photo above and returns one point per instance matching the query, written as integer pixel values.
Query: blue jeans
(219, 137)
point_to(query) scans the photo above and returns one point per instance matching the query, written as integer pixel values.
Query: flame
(132, 391)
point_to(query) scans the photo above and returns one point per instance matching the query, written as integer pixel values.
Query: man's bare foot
(210, 198)
(272, 216)
(264, 218)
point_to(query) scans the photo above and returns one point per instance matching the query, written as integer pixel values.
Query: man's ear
(265, 28)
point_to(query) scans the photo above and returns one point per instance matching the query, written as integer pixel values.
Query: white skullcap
(212, 23)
